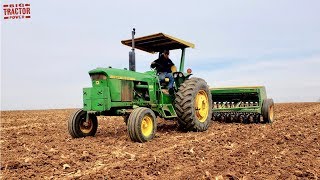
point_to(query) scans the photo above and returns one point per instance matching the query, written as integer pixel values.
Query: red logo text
(16, 11)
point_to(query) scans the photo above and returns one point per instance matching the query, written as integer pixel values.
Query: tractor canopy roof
(158, 43)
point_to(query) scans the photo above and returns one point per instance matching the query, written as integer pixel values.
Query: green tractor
(139, 97)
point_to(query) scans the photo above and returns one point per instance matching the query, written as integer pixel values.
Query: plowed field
(36, 144)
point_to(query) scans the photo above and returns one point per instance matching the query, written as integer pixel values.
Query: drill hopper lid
(158, 43)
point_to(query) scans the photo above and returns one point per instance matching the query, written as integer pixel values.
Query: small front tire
(78, 126)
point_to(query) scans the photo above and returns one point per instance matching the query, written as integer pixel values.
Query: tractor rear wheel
(267, 110)
(193, 105)
(142, 124)
(79, 126)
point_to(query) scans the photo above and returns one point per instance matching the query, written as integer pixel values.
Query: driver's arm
(154, 64)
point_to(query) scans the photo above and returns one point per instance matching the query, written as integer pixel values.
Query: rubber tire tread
(184, 105)
(130, 124)
(265, 110)
(134, 124)
(74, 126)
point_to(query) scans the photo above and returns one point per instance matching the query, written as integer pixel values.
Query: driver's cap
(166, 52)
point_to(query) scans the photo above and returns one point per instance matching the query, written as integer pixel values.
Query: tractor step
(168, 111)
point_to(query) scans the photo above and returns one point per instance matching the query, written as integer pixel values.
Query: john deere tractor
(139, 97)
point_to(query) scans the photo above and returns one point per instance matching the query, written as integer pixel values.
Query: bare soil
(36, 144)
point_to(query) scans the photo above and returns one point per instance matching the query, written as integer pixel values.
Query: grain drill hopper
(248, 104)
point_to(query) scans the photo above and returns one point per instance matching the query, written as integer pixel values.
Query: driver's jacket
(162, 65)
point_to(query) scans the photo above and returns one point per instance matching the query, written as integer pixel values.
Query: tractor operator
(165, 68)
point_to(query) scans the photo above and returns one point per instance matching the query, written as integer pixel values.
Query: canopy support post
(181, 69)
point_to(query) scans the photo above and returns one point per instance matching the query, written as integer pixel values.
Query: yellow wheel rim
(146, 126)
(202, 105)
(271, 113)
(86, 127)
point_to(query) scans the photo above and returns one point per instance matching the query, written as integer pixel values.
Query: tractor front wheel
(267, 110)
(142, 124)
(80, 126)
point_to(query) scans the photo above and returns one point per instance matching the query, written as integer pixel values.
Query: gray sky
(45, 60)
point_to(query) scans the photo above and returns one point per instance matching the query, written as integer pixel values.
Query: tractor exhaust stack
(132, 55)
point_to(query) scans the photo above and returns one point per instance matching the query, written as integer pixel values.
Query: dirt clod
(66, 166)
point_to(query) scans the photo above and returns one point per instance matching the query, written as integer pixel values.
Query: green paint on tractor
(140, 97)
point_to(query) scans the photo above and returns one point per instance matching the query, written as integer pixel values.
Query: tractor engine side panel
(121, 90)
(126, 90)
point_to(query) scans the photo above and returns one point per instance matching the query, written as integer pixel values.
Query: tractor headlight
(180, 75)
(175, 75)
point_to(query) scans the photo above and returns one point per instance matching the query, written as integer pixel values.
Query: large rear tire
(79, 127)
(142, 124)
(267, 110)
(193, 104)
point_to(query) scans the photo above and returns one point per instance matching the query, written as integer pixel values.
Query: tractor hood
(122, 74)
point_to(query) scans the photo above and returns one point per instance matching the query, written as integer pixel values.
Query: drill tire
(267, 110)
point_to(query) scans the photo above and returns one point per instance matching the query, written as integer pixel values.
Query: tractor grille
(98, 76)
